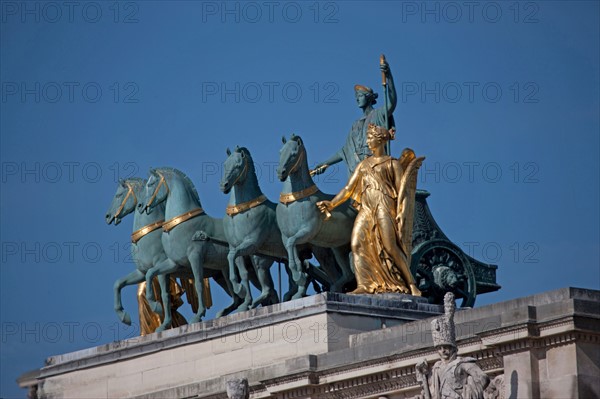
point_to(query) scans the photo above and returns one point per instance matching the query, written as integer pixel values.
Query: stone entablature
(545, 345)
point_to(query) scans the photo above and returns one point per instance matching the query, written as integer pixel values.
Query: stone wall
(345, 346)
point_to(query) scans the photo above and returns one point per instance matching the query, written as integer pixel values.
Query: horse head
(156, 193)
(125, 200)
(290, 156)
(236, 168)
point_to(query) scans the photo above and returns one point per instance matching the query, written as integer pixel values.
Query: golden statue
(384, 188)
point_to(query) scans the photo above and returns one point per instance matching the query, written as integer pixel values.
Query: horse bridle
(130, 192)
(161, 182)
(297, 163)
(244, 171)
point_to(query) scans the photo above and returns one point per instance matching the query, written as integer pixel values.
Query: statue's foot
(360, 290)
(124, 317)
(415, 291)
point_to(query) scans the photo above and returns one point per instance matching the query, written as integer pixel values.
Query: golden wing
(406, 198)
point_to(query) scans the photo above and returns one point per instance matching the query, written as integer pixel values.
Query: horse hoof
(196, 319)
(299, 295)
(273, 299)
(261, 300)
(243, 307)
(228, 309)
(124, 317)
(160, 328)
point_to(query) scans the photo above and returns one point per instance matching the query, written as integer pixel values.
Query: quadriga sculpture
(146, 251)
(301, 222)
(190, 237)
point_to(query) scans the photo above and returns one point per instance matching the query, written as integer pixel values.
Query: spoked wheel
(440, 266)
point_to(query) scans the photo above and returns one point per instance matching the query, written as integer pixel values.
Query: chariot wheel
(440, 266)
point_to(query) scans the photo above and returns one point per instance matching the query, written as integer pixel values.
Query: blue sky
(501, 97)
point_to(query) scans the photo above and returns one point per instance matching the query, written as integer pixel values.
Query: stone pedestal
(237, 343)
(344, 346)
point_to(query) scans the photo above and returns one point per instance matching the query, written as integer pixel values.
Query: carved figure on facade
(452, 377)
(238, 389)
(496, 388)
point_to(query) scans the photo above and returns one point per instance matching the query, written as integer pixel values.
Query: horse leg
(327, 262)
(246, 247)
(244, 292)
(293, 288)
(134, 277)
(233, 276)
(262, 266)
(165, 292)
(242, 288)
(252, 273)
(229, 289)
(196, 258)
(299, 276)
(161, 267)
(342, 258)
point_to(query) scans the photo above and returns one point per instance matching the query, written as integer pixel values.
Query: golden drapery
(385, 188)
(149, 321)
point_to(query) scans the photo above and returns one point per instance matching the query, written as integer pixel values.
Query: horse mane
(137, 183)
(246, 153)
(297, 138)
(172, 171)
(253, 178)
